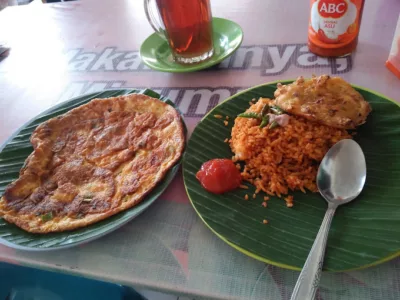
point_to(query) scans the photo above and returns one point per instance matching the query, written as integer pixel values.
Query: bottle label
(334, 22)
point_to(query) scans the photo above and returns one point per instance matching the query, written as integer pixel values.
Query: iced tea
(188, 25)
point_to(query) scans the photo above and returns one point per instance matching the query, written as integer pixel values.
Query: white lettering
(278, 59)
(81, 62)
(204, 101)
(279, 62)
(341, 64)
(323, 8)
(248, 57)
(338, 9)
(130, 62)
(70, 54)
(308, 59)
(331, 8)
(106, 60)
(117, 84)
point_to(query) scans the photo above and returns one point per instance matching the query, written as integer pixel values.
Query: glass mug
(186, 25)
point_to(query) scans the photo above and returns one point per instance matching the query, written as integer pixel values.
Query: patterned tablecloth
(59, 51)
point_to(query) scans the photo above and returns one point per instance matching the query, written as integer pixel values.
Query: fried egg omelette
(93, 162)
(327, 100)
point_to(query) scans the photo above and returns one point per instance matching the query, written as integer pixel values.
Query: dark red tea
(188, 26)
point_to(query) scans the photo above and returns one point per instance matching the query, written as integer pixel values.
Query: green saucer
(156, 54)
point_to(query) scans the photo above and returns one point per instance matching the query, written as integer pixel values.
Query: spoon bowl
(342, 172)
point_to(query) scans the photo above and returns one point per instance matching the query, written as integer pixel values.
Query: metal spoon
(341, 178)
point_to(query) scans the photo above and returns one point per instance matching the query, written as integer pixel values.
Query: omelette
(96, 160)
(327, 100)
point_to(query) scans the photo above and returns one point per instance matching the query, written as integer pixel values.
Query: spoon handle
(308, 281)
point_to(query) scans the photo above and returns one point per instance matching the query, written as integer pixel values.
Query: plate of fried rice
(277, 143)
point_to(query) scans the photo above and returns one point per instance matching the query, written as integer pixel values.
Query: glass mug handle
(158, 28)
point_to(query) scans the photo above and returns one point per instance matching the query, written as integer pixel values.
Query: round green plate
(12, 157)
(156, 54)
(364, 232)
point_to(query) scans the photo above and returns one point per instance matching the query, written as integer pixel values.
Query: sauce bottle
(334, 26)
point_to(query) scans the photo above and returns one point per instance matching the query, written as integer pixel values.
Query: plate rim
(102, 234)
(195, 67)
(255, 256)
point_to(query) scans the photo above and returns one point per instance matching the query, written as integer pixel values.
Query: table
(62, 50)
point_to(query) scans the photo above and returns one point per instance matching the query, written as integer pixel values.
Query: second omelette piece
(93, 162)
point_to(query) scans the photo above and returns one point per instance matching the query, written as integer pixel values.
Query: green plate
(16, 150)
(364, 232)
(156, 54)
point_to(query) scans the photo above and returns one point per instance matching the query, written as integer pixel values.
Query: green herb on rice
(273, 125)
(250, 115)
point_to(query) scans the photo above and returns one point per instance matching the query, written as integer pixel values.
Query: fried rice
(282, 159)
